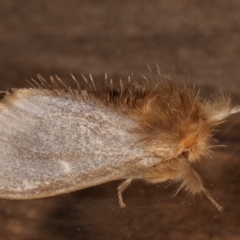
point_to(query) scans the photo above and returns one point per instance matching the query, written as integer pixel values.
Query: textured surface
(195, 41)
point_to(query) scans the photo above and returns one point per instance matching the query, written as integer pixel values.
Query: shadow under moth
(55, 139)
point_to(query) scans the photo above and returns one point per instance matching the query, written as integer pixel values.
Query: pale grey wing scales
(50, 144)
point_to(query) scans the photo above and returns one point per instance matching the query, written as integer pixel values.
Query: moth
(55, 139)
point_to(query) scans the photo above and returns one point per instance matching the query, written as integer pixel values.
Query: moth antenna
(218, 109)
(122, 188)
(216, 146)
(235, 110)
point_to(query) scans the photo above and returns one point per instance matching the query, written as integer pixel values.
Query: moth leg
(207, 194)
(121, 188)
(192, 183)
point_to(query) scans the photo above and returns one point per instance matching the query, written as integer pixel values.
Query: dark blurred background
(195, 41)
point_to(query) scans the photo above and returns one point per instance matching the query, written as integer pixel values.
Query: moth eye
(186, 152)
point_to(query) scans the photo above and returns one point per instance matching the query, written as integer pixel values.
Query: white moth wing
(52, 144)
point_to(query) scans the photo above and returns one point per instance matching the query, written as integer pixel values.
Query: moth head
(195, 144)
(175, 121)
(197, 140)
